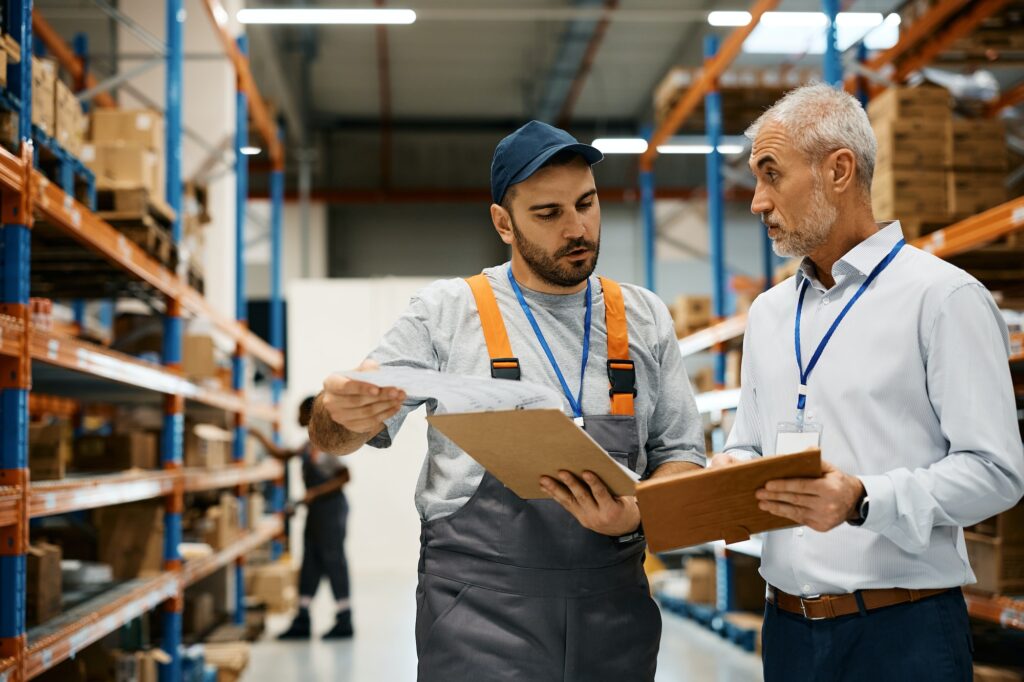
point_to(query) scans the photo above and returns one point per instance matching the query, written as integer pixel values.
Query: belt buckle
(803, 608)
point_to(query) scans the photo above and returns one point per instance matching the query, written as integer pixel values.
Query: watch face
(864, 509)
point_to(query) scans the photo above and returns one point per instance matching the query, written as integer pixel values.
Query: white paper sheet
(458, 393)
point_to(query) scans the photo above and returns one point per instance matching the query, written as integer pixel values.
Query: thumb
(368, 365)
(827, 467)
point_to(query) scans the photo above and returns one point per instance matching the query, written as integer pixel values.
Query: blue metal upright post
(650, 233)
(172, 443)
(832, 69)
(276, 322)
(716, 201)
(862, 90)
(15, 373)
(238, 362)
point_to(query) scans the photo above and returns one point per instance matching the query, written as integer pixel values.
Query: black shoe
(342, 626)
(299, 628)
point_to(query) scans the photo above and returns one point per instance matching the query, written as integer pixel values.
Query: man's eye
(585, 206)
(547, 216)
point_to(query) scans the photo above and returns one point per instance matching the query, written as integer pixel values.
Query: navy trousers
(925, 640)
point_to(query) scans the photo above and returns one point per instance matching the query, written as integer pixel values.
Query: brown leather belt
(835, 605)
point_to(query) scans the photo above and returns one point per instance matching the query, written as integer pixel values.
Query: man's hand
(723, 459)
(358, 406)
(818, 503)
(593, 505)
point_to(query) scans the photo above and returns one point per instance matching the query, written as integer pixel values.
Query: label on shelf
(52, 349)
(1018, 215)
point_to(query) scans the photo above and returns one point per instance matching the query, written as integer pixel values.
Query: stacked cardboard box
(911, 125)
(691, 314)
(273, 585)
(130, 538)
(703, 576)
(996, 550)
(127, 150)
(70, 122)
(230, 658)
(224, 525)
(43, 583)
(976, 153)
(207, 446)
(44, 93)
(49, 450)
(137, 449)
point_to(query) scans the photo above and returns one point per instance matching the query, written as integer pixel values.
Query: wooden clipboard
(717, 504)
(520, 446)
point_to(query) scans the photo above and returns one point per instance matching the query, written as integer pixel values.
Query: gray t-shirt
(441, 330)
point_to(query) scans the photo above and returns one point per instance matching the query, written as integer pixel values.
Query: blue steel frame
(277, 493)
(172, 443)
(832, 69)
(238, 362)
(15, 244)
(716, 200)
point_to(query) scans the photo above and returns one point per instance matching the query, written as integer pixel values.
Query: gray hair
(821, 119)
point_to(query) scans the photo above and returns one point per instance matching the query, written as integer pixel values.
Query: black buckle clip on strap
(622, 379)
(510, 371)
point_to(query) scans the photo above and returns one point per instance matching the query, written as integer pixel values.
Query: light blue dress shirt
(914, 396)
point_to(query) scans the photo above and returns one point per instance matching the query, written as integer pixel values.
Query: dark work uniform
(324, 536)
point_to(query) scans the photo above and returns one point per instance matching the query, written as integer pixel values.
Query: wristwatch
(638, 534)
(863, 505)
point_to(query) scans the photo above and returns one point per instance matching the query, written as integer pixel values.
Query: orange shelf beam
(58, 497)
(1017, 347)
(1005, 611)
(12, 336)
(257, 108)
(10, 501)
(98, 618)
(197, 569)
(713, 69)
(1010, 98)
(975, 231)
(727, 329)
(204, 479)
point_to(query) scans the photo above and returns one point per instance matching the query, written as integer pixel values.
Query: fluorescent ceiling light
(250, 151)
(326, 16)
(681, 148)
(792, 32)
(721, 18)
(621, 145)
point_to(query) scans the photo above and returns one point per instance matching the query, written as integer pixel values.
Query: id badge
(792, 437)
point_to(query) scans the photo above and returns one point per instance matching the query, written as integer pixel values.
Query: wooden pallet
(118, 202)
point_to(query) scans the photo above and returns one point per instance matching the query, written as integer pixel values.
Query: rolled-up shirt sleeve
(970, 389)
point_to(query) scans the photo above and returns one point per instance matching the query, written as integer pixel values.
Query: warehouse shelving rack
(917, 46)
(28, 353)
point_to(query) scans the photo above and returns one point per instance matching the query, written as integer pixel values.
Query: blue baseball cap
(522, 153)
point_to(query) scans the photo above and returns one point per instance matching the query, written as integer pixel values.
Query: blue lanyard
(577, 402)
(801, 401)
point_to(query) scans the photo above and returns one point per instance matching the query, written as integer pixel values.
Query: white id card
(792, 437)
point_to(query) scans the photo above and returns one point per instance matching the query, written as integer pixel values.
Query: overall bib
(513, 589)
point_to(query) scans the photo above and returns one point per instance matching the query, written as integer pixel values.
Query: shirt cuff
(882, 504)
(381, 440)
(741, 455)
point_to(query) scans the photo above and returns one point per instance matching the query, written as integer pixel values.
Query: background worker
(538, 590)
(323, 537)
(895, 363)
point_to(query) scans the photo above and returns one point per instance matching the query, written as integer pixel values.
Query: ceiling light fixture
(621, 145)
(698, 148)
(325, 16)
(250, 150)
(724, 18)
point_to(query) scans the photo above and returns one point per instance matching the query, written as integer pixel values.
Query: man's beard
(812, 232)
(550, 268)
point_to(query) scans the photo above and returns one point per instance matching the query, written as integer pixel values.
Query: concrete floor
(383, 648)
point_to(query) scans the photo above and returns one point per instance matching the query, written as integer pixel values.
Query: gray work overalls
(513, 589)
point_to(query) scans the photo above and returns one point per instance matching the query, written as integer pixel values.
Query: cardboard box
(273, 585)
(918, 194)
(970, 192)
(733, 364)
(230, 658)
(978, 144)
(140, 127)
(9, 130)
(1007, 526)
(44, 87)
(199, 357)
(225, 527)
(120, 165)
(137, 449)
(3, 68)
(704, 380)
(49, 450)
(998, 564)
(992, 673)
(69, 121)
(257, 508)
(750, 622)
(927, 101)
(690, 314)
(130, 538)
(911, 143)
(43, 583)
(200, 613)
(138, 666)
(748, 587)
(703, 575)
(137, 334)
(207, 446)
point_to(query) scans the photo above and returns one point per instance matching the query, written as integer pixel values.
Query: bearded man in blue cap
(538, 590)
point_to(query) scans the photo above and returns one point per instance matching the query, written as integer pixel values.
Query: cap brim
(590, 154)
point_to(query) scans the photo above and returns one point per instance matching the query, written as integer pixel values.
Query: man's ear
(841, 170)
(502, 223)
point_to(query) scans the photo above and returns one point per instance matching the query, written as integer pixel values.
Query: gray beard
(812, 232)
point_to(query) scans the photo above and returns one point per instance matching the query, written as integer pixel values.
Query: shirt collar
(862, 258)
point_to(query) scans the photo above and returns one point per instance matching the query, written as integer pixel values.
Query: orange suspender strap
(621, 370)
(503, 364)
